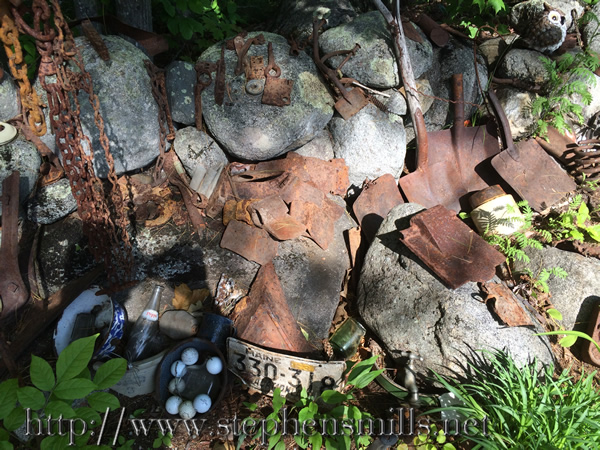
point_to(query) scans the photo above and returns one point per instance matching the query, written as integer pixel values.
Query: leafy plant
(526, 408)
(540, 282)
(329, 409)
(162, 439)
(460, 12)
(52, 393)
(575, 223)
(567, 90)
(570, 336)
(196, 23)
(432, 440)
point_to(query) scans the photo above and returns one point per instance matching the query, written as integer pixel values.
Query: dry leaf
(184, 296)
(166, 211)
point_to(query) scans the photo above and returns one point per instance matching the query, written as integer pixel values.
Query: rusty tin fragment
(374, 203)
(264, 317)
(278, 91)
(506, 305)
(348, 108)
(271, 213)
(250, 242)
(255, 70)
(450, 248)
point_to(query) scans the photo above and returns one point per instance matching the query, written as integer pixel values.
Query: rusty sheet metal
(319, 220)
(506, 305)
(297, 190)
(264, 317)
(272, 214)
(348, 108)
(374, 203)
(220, 79)
(12, 289)
(241, 48)
(278, 91)
(255, 70)
(589, 351)
(451, 249)
(249, 242)
(328, 176)
(237, 210)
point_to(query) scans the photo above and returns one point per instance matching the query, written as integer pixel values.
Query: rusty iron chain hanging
(31, 105)
(104, 222)
(159, 92)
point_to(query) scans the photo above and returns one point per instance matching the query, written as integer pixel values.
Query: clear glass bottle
(145, 331)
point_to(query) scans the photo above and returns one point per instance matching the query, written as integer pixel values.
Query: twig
(383, 94)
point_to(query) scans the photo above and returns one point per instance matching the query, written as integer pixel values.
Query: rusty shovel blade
(452, 250)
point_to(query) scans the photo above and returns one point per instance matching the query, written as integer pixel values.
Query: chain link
(104, 219)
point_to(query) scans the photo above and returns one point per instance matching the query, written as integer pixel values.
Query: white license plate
(265, 370)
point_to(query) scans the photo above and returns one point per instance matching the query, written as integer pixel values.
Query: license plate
(265, 370)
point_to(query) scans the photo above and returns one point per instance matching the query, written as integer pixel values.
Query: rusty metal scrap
(584, 159)
(104, 219)
(264, 317)
(506, 305)
(255, 70)
(374, 203)
(346, 108)
(95, 39)
(271, 213)
(13, 292)
(203, 80)
(31, 104)
(252, 243)
(241, 48)
(452, 250)
(278, 91)
(220, 79)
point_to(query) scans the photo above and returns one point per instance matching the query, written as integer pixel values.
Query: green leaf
(5, 445)
(594, 232)
(186, 29)
(30, 397)
(361, 367)
(15, 419)
(90, 416)
(58, 408)
(169, 8)
(4, 435)
(316, 440)
(41, 373)
(334, 397)
(74, 388)
(554, 313)
(366, 378)
(278, 400)
(583, 214)
(73, 359)
(102, 400)
(55, 443)
(8, 396)
(110, 373)
(568, 341)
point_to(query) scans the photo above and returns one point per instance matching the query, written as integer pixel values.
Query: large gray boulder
(591, 30)
(127, 107)
(573, 296)
(20, 155)
(320, 147)
(180, 81)
(51, 203)
(374, 63)
(517, 107)
(456, 57)
(409, 308)
(249, 130)
(295, 18)
(524, 65)
(311, 277)
(371, 142)
(9, 101)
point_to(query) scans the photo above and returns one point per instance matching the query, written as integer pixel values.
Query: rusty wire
(31, 105)
(104, 219)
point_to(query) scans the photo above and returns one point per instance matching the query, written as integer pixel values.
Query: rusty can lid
(485, 195)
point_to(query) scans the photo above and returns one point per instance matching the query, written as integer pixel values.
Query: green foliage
(475, 14)
(196, 24)
(527, 408)
(570, 336)
(575, 224)
(539, 282)
(162, 439)
(329, 408)
(568, 76)
(432, 440)
(53, 392)
(513, 247)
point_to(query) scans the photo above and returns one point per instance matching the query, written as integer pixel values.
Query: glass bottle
(145, 331)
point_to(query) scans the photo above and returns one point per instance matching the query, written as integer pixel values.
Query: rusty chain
(104, 222)
(159, 92)
(31, 105)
